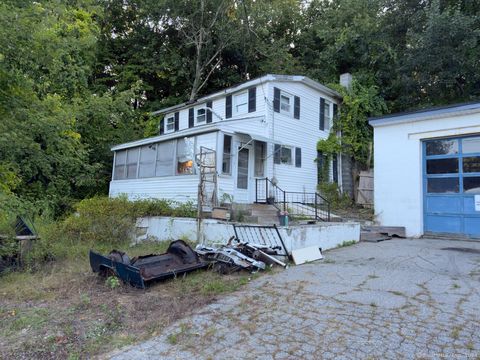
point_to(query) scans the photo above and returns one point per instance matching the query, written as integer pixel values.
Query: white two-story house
(264, 128)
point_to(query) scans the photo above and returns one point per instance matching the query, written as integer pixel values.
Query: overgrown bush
(331, 192)
(101, 223)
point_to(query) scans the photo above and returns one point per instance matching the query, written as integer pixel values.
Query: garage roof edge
(426, 114)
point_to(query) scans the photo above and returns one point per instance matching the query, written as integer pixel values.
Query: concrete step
(268, 220)
(261, 220)
(264, 212)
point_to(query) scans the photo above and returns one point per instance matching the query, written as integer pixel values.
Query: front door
(451, 172)
(243, 175)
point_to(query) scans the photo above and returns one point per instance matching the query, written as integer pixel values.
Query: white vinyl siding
(304, 134)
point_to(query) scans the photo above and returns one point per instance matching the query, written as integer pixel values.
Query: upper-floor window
(328, 115)
(285, 101)
(170, 124)
(201, 116)
(241, 103)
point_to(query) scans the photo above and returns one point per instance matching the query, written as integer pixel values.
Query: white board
(311, 253)
(477, 202)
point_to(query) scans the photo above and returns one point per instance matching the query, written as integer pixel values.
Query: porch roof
(175, 135)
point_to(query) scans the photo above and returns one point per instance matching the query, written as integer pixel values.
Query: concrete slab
(399, 299)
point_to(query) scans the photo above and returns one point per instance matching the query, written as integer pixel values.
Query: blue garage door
(451, 173)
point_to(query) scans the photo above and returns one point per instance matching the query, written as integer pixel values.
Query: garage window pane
(442, 166)
(442, 147)
(471, 164)
(471, 185)
(471, 145)
(442, 185)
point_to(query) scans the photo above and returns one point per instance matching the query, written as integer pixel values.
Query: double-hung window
(285, 103)
(328, 115)
(170, 125)
(241, 103)
(282, 155)
(201, 116)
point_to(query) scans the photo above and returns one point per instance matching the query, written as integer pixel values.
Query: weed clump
(100, 222)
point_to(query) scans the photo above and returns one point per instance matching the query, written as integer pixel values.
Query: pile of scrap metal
(240, 253)
(240, 256)
(179, 259)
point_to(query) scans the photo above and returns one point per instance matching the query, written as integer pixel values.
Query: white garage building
(427, 171)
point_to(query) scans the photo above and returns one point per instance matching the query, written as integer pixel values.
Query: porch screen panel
(120, 161)
(132, 163)
(165, 160)
(147, 161)
(184, 158)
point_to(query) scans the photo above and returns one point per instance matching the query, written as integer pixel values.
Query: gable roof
(426, 114)
(266, 78)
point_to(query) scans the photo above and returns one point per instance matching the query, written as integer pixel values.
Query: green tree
(442, 61)
(356, 136)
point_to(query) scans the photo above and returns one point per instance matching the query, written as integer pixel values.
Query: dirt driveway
(395, 299)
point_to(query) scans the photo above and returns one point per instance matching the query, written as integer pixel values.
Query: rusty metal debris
(257, 248)
(179, 259)
(227, 259)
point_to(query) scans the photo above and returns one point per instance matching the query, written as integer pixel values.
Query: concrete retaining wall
(324, 235)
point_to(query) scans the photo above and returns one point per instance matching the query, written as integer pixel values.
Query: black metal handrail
(298, 205)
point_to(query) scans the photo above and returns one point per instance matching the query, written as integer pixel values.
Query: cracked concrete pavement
(396, 299)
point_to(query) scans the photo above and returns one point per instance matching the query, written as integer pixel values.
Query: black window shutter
(335, 112)
(191, 118)
(296, 107)
(322, 114)
(335, 168)
(276, 99)
(319, 166)
(177, 121)
(209, 112)
(228, 107)
(276, 155)
(252, 99)
(162, 129)
(298, 157)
